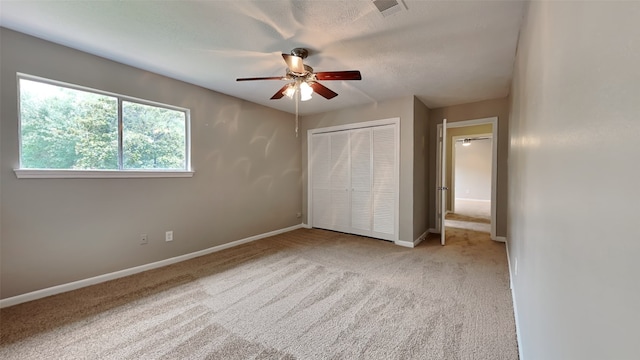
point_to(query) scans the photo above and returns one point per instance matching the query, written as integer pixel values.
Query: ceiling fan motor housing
(300, 52)
(307, 74)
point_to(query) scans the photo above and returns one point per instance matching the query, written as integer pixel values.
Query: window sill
(99, 174)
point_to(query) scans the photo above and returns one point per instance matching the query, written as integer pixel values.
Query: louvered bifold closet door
(361, 220)
(340, 181)
(384, 182)
(354, 181)
(321, 181)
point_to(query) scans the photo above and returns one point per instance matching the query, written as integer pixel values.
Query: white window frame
(111, 173)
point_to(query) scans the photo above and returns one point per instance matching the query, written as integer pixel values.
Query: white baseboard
(408, 244)
(414, 243)
(500, 239)
(420, 238)
(515, 306)
(510, 269)
(306, 226)
(479, 200)
(38, 294)
(433, 231)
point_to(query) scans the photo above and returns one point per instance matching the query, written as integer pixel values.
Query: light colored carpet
(306, 294)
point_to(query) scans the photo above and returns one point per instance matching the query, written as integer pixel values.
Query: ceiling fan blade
(323, 90)
(280, 93)
(294, 63)
(339, 75)
(262, 78)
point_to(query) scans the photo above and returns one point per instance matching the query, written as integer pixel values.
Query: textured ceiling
(443, 52)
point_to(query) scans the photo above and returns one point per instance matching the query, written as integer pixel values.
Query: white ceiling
(444, 52)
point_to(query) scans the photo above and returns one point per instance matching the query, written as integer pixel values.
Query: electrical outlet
(144, 239)
(168, 236)
(298, 215)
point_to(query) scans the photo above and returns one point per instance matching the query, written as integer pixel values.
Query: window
(69, 130)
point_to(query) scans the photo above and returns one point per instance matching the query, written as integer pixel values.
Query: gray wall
(402, 108)
(574, 204)
(54, 231)
(477, 110)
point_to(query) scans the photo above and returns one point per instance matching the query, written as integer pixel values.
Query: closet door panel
(340, 211)
(339, 177)
(384, 159)
(384, 213)
(321, 207)
(321, 181)
(361, 160)
(361, 214)
(361, 181)
(340, 160)
(320, 162)
(384, 180)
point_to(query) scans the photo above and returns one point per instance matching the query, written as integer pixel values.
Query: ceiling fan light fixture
(305, 97)
(305, 91)
(290, 91)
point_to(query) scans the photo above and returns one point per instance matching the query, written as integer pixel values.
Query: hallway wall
(574, 206)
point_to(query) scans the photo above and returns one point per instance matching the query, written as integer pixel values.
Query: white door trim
(358, 125)
(353, 126)
(438, 229)
(494, 162)
(443, 181)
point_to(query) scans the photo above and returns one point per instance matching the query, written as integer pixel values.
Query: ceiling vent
(389, 7)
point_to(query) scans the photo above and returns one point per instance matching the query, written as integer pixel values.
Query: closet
(354, 180)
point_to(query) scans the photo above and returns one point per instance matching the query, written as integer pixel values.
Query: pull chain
(297, 99)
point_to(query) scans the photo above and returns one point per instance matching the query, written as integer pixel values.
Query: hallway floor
(471, 215)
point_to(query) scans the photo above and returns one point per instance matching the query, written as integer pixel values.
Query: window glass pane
(64, 128)
(153, 137)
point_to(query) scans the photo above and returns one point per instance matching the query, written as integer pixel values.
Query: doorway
(471, 180)
(446, 193)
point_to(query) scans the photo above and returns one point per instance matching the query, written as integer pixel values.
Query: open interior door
(443, 180)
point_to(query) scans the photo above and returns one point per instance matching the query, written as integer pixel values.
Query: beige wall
(420, 167)
(477, 110)
(402, 108)
(55, 231)
(574, 204)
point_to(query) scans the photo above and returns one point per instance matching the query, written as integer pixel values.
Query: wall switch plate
(144, 239)
(168, 236)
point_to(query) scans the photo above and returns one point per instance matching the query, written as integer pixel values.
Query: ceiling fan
(303, 80)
